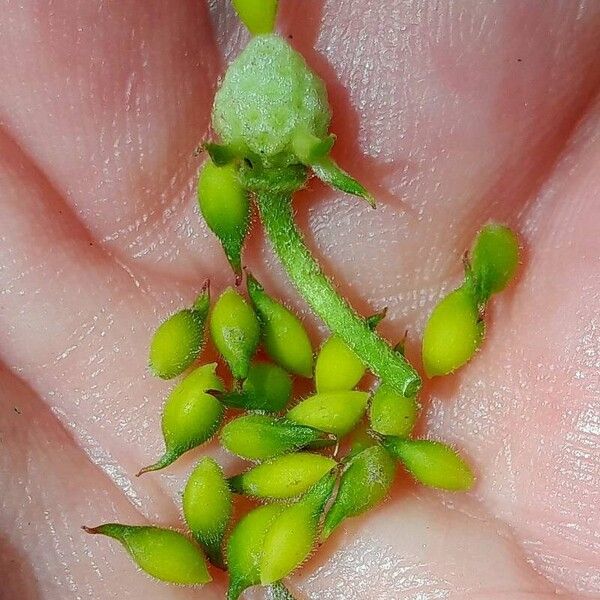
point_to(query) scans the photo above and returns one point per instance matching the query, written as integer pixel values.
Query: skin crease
(452, 113)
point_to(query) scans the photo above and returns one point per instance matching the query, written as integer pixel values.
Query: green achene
(259, 437)
(191, 415)
(365, 482)
(283, 477)
(494, 259)
(166, 555)
(207, 507)
(337, 367)
(285, 338)
(293, 533)
(334, 412)
(245, 548)
(178, 340)
(225, 206)
(235, 331)
(391, 413)
(432, 463)
(257, 15)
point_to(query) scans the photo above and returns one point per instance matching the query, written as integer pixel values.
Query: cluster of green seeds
(304, 478)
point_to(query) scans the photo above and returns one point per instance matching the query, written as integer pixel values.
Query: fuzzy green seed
(225, 206)
(328, 172)
(284, 336)
(333, 412)
(268, 94)
(162, 553)
(245, 547)
(283, 477)
(257, 15)
(268, 388)
(258, 437)
(432, 463)
(292, 535)
(177, 342)
(453, 332)
(235, 331)
(392, 413)
(494, 259)
(337, 367)
(191, 416)
(207, 507)
(366, 481)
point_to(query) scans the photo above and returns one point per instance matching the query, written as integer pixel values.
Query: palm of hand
(452, 114)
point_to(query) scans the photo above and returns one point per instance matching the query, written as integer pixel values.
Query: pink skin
(452, 113)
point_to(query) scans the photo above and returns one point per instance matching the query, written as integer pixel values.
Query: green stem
(309, 280)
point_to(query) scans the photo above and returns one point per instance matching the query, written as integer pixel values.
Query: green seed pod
(432, 463)
(270, 73)
(258, 437)
(207, 507)
(177, 342)
(225, 206)
(245, 547)
(235, 331)
(191, 416)
(328, 172)
(392, 413)
(257, 15)
(453, 332)
(333, 412)
(162, 553)
(284, 336)
(292, 535)
(494, 259)
(267, 388)
(366, 481)
(283, 477)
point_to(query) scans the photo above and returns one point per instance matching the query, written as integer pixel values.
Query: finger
(527, 408)
(50, 489)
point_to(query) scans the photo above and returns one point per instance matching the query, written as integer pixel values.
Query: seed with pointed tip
(207, 507)
(283, 477)
(328, 172)
(162, 553)
(285, 337)
(432, 463)
(225, 206)
(366, 481)
(293, 533)
(257, 15)
(235, 331)
(391, 413)
(258, 437)
(337, 367)
(178, 340)
(494, 259)
(245, 547)
(191, 415)
(453, 332)
(333, 412)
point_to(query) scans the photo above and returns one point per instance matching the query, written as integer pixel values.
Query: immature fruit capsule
(283, 477)
(494, 259)
(235, 331)
(332, 412)
(267, 388)
(245, 547)
(285, 338)
(258, 437)
(391, 413)
(177, 342)
(225, 206)
(162, 553)
(365, 482)
(191, 416)
(207, 507)
(257, 15)
(432, 463)
(293, 533)
(453, 332)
